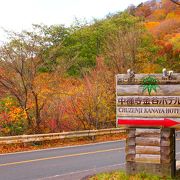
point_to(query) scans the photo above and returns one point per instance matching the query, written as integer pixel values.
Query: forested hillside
(57, 78)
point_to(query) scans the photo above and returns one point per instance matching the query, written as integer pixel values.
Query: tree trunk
(37, 114)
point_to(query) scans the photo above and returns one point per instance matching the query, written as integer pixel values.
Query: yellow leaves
(17, 113)
(48, 85)
(5, 130)
(150, 68)
(173, 15)
(175, 40)
(76, 90)
(14, 112)
(69, 87)
(8, 102)
(12, 117)
(43, 83)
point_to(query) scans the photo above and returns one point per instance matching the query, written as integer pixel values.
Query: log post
(168, 161)
(151, 151)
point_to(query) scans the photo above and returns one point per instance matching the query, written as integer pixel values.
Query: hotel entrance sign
(149, 105)
(148, 97)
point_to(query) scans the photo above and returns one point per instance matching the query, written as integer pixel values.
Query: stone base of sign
(164, 170)
(178, 169)
(151, 151)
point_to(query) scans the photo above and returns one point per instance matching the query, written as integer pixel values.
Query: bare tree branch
(176, 2)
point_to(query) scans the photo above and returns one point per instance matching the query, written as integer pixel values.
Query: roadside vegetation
(120, 175)
(57, 78)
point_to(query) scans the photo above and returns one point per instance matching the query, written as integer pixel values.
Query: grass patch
(120, 175)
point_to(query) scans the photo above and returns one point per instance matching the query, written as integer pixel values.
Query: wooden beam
(130, 157)
(147, 132)
(138, 77)
(144, 141)
(154, 150)
(137, 90)
(145, 158)
(130, 149)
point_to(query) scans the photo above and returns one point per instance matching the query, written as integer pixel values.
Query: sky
(18, 15)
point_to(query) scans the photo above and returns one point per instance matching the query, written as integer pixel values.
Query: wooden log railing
(63, 135)
(56, 136)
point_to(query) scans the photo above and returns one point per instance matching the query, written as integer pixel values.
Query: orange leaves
(168, 26)
(57, 93)
(43, 84)
(70, 86)
(150, 68)
(93, 107)
(158, 14)
(170, 43)
(151, 25)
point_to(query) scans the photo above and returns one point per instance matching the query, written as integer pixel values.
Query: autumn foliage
(58, 78)
(13, 119)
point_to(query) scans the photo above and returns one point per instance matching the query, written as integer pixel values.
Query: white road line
(78, 172)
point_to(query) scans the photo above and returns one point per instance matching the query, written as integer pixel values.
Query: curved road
(66, 163)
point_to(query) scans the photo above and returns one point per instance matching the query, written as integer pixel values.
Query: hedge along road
(68, 163)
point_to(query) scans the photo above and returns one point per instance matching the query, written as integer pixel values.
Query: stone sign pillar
(149, 106)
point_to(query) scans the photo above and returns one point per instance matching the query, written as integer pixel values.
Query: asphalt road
(69, 163)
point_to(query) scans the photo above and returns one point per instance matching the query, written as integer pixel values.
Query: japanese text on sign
(144, 100)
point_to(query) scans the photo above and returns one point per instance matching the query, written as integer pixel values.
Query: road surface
(68, 163)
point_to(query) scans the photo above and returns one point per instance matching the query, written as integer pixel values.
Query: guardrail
(63, 135)
(55, 136)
